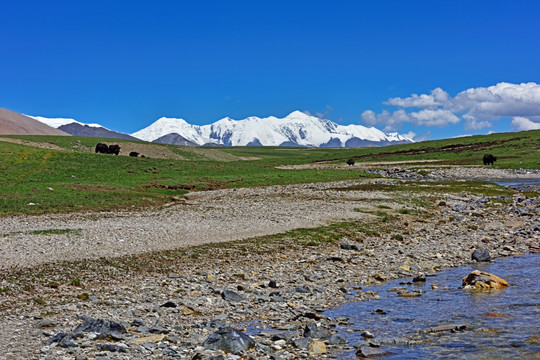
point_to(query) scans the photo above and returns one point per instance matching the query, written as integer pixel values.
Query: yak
(102, 148)
(114, 149)
(489, 159)
(134, 154)
(350, 162)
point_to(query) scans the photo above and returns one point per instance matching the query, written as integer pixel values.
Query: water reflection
(499, 324)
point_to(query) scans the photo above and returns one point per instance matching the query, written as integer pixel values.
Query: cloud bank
(477, 107)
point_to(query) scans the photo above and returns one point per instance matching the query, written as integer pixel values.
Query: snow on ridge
(57, 122)
(296, 128)
(165, 126)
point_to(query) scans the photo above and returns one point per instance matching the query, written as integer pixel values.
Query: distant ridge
(77, 129)
(296, 129)
(13, 123)
(174, 139)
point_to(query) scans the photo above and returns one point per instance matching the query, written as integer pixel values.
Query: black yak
(134, 154)
(489, 159)
(350, 162)
(102, 148)
(114, 149)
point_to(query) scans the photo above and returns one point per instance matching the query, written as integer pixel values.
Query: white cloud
(438, 97)
(472, 123)
(393, 121)
(410, 135)
(429, 117)
(520, 123)
(503, 99)
(477, 106)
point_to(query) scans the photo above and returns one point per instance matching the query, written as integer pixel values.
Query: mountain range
(296, 129)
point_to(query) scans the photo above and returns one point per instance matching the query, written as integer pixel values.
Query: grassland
(41, 174)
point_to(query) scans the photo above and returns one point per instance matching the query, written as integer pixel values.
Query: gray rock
(301, 343)
(112, 348)
(46, 323)
(137, 322)
(277, 298)
(229, 340)
(56, 338)
(447, 328)
(351, 247)
(169, 352)
(314, 331)
(337, 339)
(158, 330)
(169, 304)
(481, 255)
(143, 329)
(391, 342)
(335, 258)
(301, 289)
(232, 296)
(67, 342)
(368, 352)
(103, 328)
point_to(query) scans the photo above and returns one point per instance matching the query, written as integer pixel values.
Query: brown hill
(13, 123)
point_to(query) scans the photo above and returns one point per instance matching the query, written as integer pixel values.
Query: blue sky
(473, 65)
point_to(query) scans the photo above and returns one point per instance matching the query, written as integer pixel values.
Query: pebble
(173, 311)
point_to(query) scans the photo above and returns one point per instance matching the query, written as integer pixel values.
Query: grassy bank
(41, 174)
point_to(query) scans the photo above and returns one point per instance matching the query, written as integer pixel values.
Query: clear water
(520, 184)
(500, 324)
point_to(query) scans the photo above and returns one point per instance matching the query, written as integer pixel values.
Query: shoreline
(311, 269)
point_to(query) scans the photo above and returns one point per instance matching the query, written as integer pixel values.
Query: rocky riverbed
(156, 295)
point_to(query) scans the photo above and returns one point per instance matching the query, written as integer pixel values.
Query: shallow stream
(499, 324)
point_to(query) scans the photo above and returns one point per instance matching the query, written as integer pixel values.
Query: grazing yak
(489, 159)
(114, 149)
(104, 149)
(350, 162)
(134, 154)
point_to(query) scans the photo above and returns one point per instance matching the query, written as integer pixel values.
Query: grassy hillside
(57, 174)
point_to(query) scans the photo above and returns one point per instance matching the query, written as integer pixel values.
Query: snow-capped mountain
(57, 122)
(76, 128)
(296, 129)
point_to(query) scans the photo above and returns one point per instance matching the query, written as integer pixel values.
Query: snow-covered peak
(297, 128)
(302, 116)
(164, 126)
(57, 122)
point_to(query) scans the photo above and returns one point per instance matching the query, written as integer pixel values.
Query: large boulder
(479, 280)
(481, 255)
(103, 328)
(229, 340)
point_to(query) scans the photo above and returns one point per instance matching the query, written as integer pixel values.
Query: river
(498, 324)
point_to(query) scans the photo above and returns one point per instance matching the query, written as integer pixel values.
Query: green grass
(36, 180)
(55, 232)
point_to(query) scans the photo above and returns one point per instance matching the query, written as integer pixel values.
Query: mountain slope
(174, 139)
(13, 123)
(296, 129)
(76, 128)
